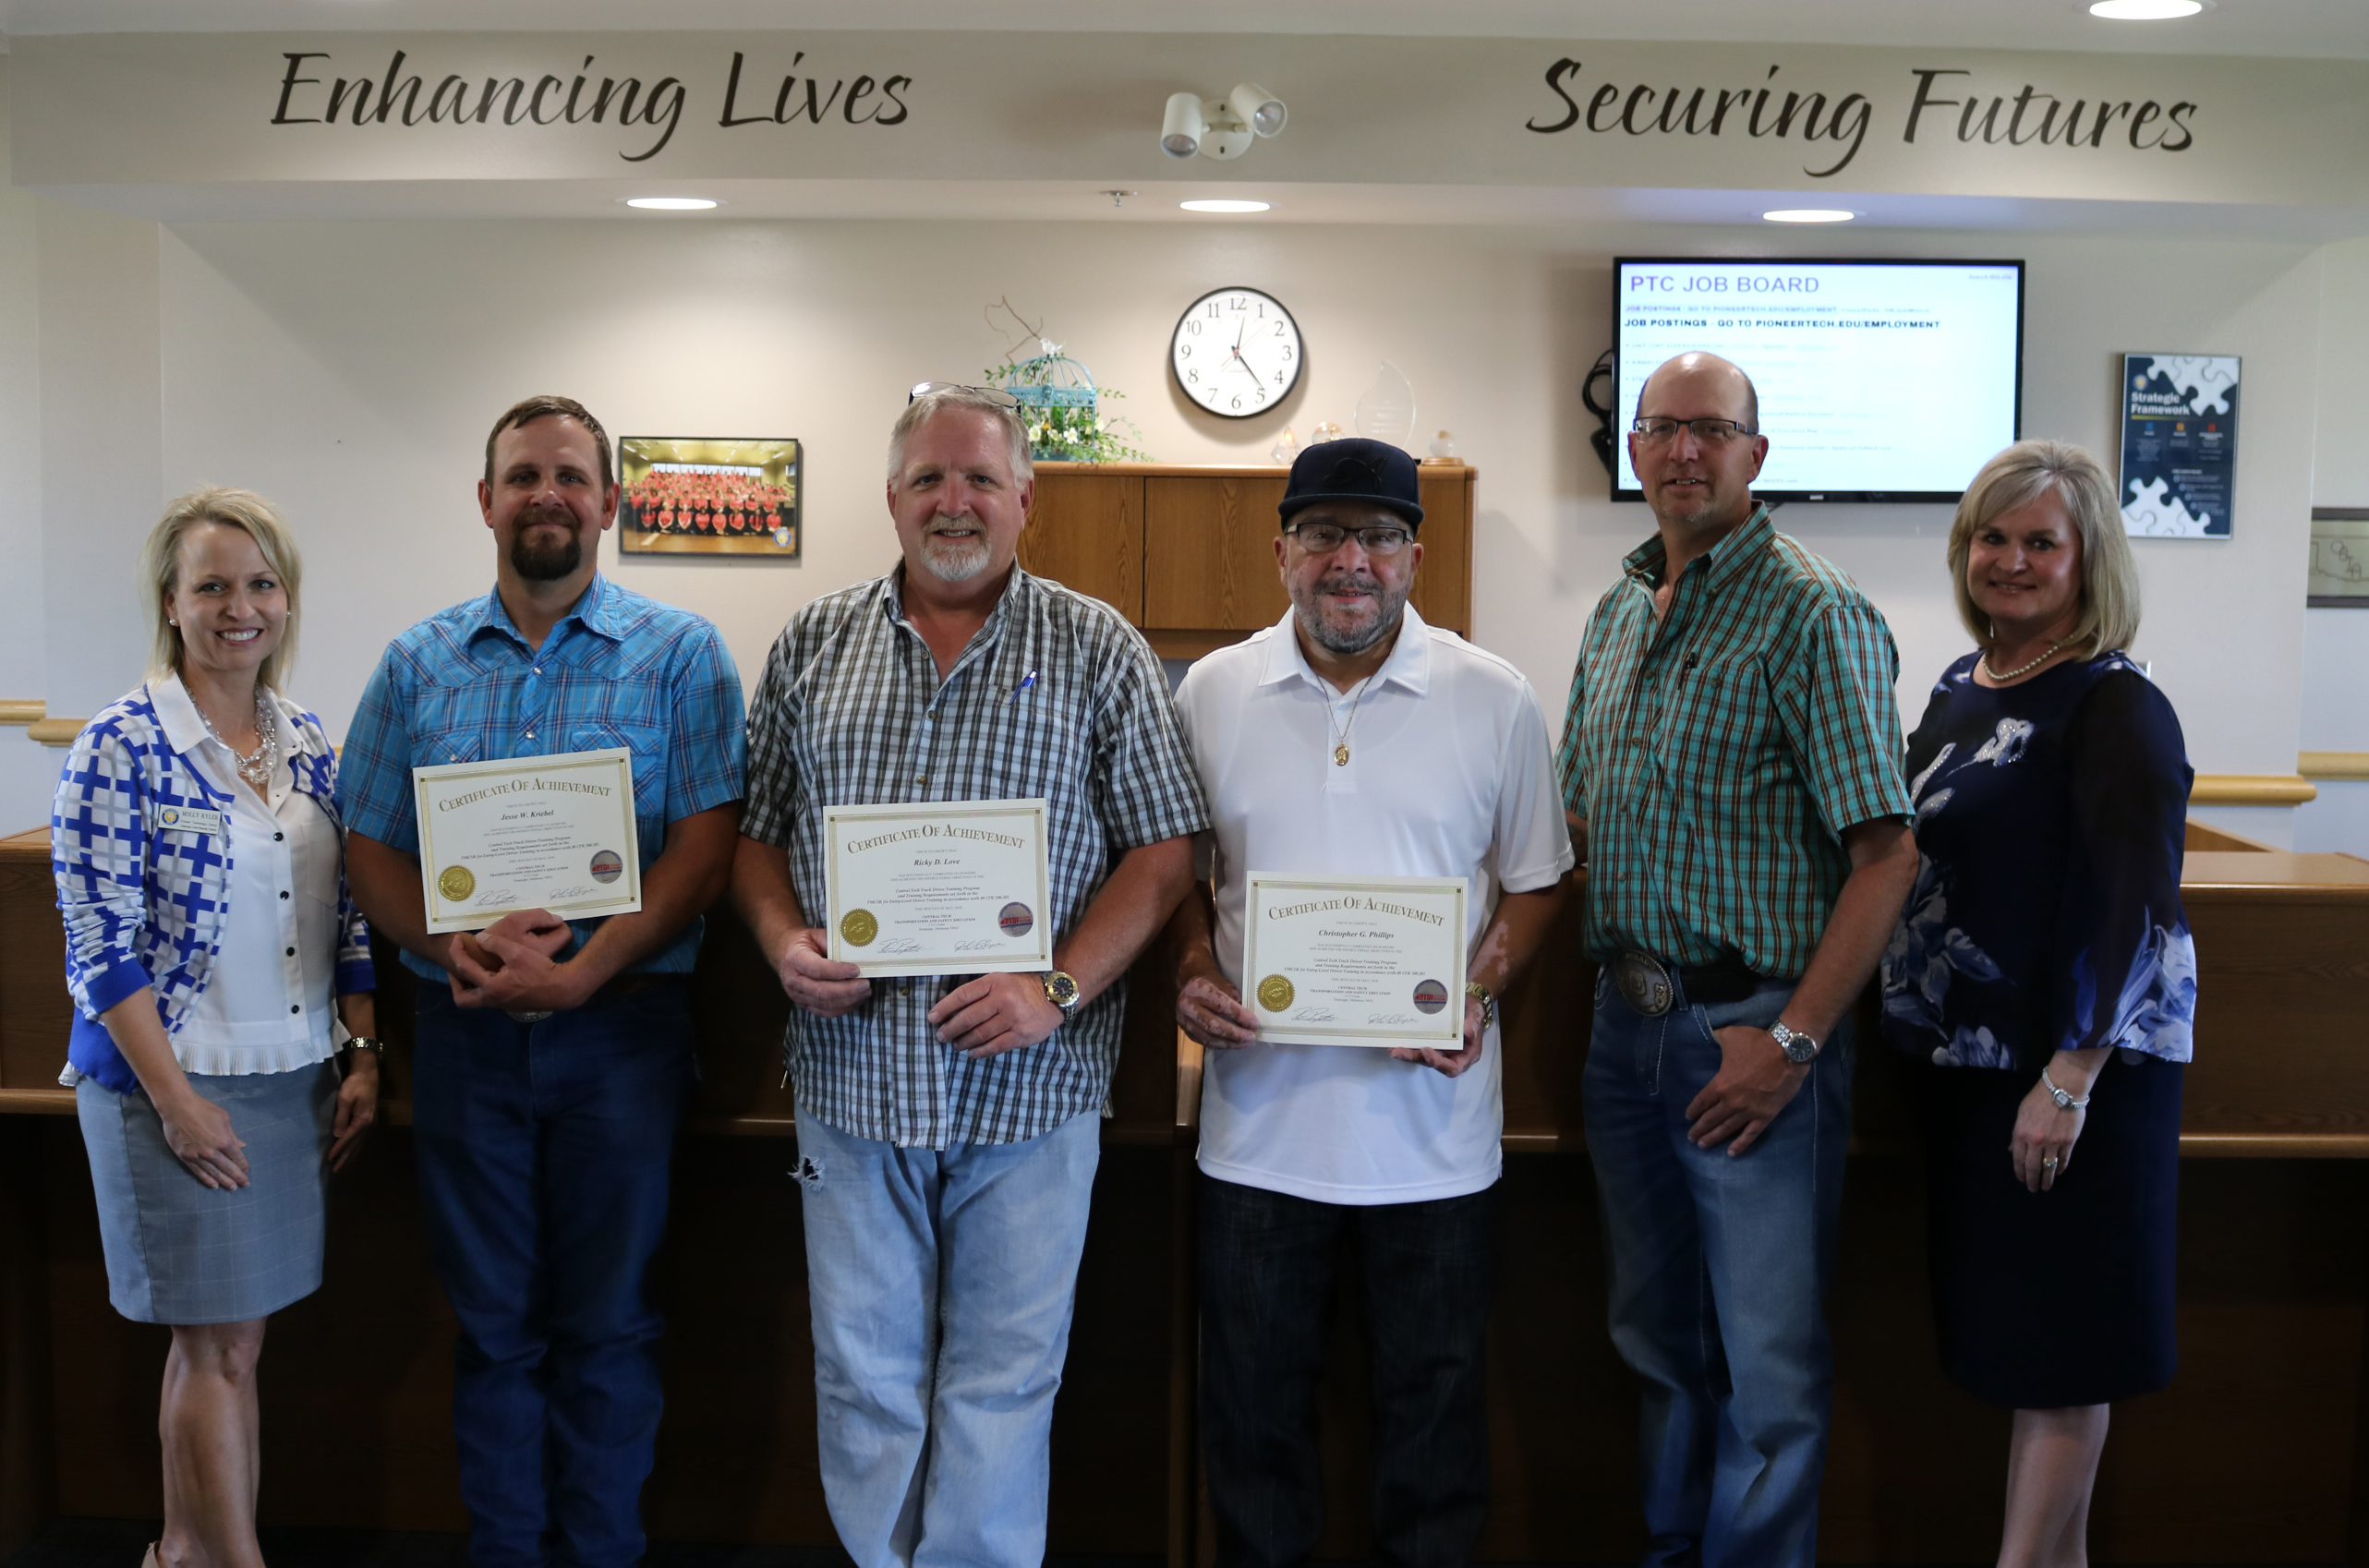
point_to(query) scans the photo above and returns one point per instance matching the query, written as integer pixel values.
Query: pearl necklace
(1997, 674)
(254, 766)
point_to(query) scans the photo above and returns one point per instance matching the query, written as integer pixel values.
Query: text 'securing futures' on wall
(2029, 114)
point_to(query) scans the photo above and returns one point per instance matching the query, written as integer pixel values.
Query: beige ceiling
(2291, 27)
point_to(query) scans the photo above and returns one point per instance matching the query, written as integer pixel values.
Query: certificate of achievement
(946, 887)
(552, 833)
(1356, 961)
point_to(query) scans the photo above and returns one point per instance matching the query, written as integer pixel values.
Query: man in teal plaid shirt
(1732, 760)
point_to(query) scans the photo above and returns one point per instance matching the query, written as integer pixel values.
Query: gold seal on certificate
(1356, 960)
(552, 833)
(947, 887)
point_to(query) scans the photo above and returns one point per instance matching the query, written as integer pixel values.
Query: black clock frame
(1186, 315)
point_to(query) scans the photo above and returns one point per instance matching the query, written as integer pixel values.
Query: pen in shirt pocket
(1026, 682)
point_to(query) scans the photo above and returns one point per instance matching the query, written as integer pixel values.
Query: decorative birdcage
(1059, 404)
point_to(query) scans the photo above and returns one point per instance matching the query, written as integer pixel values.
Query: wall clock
(1237, 353)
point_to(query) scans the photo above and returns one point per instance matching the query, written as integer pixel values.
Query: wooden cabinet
(1209, 567)
(1188, 553)
(1086, 532)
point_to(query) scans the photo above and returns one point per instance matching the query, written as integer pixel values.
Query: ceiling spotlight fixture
(1257, 108)
(2145, 10)
(1223, 206)
(1220, 127)
(671, 203)
(1808, 215)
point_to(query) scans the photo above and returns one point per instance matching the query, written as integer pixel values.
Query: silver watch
(1798, 1048)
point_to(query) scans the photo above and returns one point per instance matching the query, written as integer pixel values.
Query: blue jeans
(941, 1283)
(1719, 1274)
(1423, 1274)
(544, 1155)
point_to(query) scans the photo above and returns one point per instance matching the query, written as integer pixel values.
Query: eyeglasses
(995, 395)
(1324, 538)
(1710, 432)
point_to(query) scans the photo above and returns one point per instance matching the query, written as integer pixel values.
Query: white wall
(349, 371)
(26, 770)
(2335, 718)
(2336, 642)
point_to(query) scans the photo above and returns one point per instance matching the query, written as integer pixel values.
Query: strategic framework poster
(2180, 422)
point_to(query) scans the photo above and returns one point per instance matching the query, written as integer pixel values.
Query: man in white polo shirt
(1351, 737)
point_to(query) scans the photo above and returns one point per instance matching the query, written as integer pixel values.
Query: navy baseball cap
(1353, 468)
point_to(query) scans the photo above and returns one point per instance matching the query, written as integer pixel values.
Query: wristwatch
(364, 1043)
(1486, 998)
(1061, 989)
(1798, 1048)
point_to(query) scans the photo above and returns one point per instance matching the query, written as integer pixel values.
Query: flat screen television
(1878, 380)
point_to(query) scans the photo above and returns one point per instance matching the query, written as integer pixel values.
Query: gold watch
(1061, 989)
(1486, 998)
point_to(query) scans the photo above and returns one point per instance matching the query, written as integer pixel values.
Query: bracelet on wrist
(2064, 1100)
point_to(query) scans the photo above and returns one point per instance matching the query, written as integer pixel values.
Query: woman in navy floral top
(2043, 982)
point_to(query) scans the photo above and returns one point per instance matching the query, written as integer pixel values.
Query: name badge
(185, 819)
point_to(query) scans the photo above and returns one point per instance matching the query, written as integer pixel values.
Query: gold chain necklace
(2054, 643)
(1341, 741)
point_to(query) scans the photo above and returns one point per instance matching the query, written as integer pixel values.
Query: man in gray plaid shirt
(949, 1125)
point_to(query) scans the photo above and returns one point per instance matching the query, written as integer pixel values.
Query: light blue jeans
(1719, 1272)
(941, 1285)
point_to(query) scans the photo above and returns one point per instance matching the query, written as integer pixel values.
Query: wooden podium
(2255, 1454)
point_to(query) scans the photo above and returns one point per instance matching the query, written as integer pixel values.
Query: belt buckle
(529, 1018)
(1643, 984)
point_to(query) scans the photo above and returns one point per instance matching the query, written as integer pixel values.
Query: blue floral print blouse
(2050, 819)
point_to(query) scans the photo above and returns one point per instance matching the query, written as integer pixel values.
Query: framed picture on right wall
(2179, 424)
(2340, 576)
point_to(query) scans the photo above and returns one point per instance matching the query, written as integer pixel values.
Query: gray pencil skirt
(179, 1251)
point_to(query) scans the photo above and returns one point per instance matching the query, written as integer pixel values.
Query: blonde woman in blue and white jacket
(210, 948)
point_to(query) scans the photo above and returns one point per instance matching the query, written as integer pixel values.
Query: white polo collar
(1409, 666)
(186, 730)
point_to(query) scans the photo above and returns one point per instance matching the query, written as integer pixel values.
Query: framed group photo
(708, 495)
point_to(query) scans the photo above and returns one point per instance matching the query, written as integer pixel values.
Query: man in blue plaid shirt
(949, 1126)
(552, 1061)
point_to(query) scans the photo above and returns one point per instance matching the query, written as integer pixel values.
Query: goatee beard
(1334, 638)
(544, 562)
(951, 562)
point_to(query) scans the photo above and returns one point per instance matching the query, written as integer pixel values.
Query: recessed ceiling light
(1223, 206)
(671, 203)
(1808, 215)
(2145, 10)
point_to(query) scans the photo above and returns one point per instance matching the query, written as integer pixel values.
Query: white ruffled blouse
(268, 1008)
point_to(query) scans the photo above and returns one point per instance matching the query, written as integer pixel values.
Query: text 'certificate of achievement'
(552, 833)
(1366, 961)
(947, 887)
